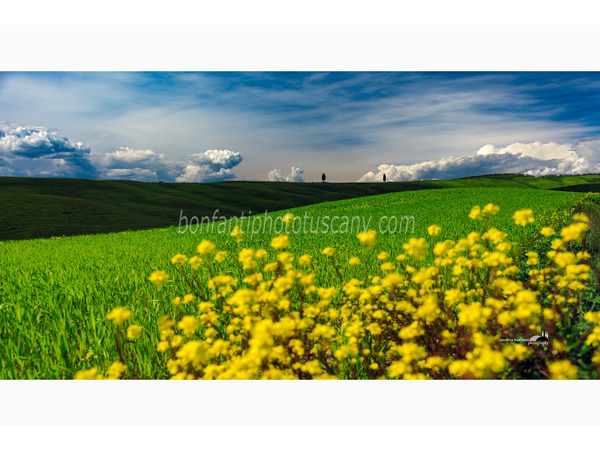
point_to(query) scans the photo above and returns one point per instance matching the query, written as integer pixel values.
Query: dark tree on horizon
(384, 177)
(323, 178)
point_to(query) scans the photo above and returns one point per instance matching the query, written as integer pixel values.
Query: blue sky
(208, 126)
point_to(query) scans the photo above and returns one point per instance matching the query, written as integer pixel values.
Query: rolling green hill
(588, 187)
(46, 207)
(55, 293)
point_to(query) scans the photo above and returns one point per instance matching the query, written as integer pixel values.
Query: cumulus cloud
(147, 165)
(534, 158)
(127, 155)
(36, 151)
(212, 165)
(33, 151)
(275, 175)
(137, 164)
(537, 150)
(137, 174)
(583, 158)
(295, 175)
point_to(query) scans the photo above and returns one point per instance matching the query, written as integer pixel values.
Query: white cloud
(212, 165)
(129, 155)
(538, 150)
(530, 159)
(136, 164)
(275, 175)
(147, 165)
(295, 175)
(136, 174)
(37, 151)
(331, 118)
(583, 158)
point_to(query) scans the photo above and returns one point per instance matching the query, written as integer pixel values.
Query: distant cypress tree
(323, 178)
(384, 177)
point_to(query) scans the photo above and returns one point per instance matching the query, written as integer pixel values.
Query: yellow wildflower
(134, 331)
(398, 369)
(563, 259)
(285, 257)
(562, 370)
(261, 253)
(573, 232)
(593, 317)
(189, 325)
(491, 209)
(547, 231)
(280, 242)
(270, 267)
(473, 315)
(194, 353)
(475, 213)
(304, 260)
(533, 258)
(158, 277)
(523, 217)
(581, 218)
(115, 371)
(237, 234)
(434, 230)
(195, 262)
(329, 251)
(416, 248)
(367, 238)
(220, 256)
(594, 338)
(119, 315)
(387, 267)
(383, 255)
(90, 374)
(516, 351)
(205, 247)
(454, 296)
(178, 259)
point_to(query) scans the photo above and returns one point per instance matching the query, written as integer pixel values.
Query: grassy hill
(46, 207)
(588, 187)
(57, 292)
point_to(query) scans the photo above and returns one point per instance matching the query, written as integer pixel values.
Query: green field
(55, 293)
(41, 208)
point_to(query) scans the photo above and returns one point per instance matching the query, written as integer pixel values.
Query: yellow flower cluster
(119, 315)
(114, 372)
(454, 317)
(448, 319)
(523, 217)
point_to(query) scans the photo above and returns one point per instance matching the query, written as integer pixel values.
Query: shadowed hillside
(45, 207)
